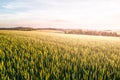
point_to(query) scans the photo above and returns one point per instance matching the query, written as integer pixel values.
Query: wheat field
(35, 55)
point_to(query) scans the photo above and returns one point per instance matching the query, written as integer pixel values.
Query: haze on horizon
(80, 14)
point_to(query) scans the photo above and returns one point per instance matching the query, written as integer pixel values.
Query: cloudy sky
(86, 14)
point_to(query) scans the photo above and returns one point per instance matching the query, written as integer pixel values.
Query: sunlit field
(36, 55)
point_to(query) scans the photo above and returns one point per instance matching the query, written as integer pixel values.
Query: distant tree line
(29, 28)
(90, 32)
(19, 28)
(68, 31)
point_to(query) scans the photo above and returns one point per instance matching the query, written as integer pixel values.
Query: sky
(78, 14)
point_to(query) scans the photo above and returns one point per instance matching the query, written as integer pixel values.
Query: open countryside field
(35, 55)
(51, 31)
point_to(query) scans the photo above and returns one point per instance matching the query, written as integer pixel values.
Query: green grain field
(36, 55)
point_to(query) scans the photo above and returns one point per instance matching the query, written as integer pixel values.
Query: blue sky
(86, 14)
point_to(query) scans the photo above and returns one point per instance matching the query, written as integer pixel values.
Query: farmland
(36, 55)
